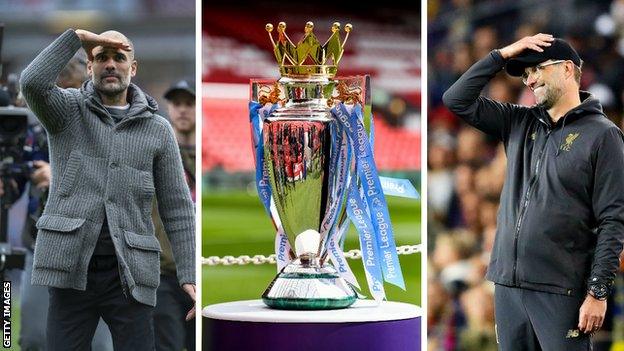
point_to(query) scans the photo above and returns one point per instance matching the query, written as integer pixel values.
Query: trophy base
(307, 286)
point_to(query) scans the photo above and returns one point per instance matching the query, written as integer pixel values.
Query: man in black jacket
(560, 224)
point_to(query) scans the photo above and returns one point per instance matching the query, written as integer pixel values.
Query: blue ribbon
(372, 132)
(373, 192)
(282, 247)
(399, 187)
(356, 210)
(391, 186)
(340, 157)
(370, 217)
(262, 175)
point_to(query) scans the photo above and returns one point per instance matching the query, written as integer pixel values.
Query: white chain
(261, 259)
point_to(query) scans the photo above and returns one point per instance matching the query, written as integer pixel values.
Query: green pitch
(235, 223)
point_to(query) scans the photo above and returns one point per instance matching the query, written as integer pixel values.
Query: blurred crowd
(466, 168)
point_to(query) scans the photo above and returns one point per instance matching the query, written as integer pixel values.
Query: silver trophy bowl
(297, 144)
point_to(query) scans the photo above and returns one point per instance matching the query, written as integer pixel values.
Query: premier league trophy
(314, 169)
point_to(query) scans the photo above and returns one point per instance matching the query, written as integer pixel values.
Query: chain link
(261, 259)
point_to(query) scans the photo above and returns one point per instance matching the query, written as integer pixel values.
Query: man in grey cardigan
(109, 154)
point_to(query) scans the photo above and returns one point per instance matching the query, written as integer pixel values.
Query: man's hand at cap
(91, 40)
(536, 42)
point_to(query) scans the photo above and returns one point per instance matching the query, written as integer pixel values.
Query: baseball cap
(182, 85)
(558, 50)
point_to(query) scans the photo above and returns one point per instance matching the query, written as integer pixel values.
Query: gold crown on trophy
(308, 58)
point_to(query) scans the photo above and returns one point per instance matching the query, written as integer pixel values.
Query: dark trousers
(73, 314)
(532, 320)
(173, 333)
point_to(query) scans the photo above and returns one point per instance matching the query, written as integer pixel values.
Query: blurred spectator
(471, 147)
(484, 40)
(440, 177)
(171, 330)
(478, 304)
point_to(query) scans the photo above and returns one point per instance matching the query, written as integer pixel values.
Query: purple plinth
(247, 325)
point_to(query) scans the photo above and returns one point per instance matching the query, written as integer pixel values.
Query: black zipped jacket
(560, 222)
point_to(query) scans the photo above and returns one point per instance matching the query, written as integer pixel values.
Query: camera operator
(10, 192)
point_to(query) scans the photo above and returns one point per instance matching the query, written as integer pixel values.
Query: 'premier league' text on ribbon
(361, 221)
(256, 110)
(372, 190)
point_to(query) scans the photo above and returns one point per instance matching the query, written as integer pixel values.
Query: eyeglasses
(536, 70)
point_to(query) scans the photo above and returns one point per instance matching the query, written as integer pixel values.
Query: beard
(111, 89)
(550, 97)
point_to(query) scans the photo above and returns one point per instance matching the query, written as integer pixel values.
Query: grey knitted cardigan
(101, 168)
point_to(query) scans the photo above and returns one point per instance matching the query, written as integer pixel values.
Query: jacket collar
(589, 106)
(141, 104)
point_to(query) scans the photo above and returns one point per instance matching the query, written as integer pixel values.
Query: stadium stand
(227, 141)
(236, 48)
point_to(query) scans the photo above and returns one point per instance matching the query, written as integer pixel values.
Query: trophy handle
(266, 91)
(355, 89)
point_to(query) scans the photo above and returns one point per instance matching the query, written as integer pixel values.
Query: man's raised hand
(91, 40)
(536, 42)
